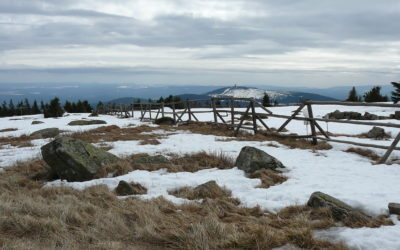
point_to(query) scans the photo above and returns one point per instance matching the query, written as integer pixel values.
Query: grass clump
(364, 152)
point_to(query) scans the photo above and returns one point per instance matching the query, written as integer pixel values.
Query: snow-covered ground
(349, 177)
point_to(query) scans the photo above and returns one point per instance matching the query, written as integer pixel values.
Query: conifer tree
(11, 108)
(53, 109)
(396, 92)
(374, 95)
(35, 108)
(353, 97)
(266, 101)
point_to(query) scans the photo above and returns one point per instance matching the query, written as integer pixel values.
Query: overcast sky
(315, 43)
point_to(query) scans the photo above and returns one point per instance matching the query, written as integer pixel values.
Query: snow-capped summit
(245, 92)
(279, 96)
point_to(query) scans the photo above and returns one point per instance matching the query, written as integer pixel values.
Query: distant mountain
(338, 92)
(279, 96)
(283, 97)
(92, 92)
(105, 92)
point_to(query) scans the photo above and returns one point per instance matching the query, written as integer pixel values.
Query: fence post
(253, 116)
(390, 150)
(312, 125)
(149, 105)
(214, 110)
(162, 109)
(173, 112)
(189, 111)
(232, 112)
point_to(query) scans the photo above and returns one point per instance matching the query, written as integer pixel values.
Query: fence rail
(152, 111)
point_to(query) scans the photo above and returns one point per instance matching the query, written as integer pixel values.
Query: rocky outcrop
(252, 159)
(86, 122)
(350, 115)
(75, 160)
(164, 121)
(376, 133)
(125, 188)
(46, 133)
(340, 210)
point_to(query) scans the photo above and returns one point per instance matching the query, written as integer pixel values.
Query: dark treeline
(78, 107)
(373, 95)
(51, 109)
(21, 108)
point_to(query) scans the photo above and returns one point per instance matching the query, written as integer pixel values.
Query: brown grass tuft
(221, 130)
(187, 163)
(268, 177)
(115, 133)
(364, 152)
(8, 130)
(149, 142)
(20, 141)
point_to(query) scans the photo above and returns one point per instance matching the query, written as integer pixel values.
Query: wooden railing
(152, 111)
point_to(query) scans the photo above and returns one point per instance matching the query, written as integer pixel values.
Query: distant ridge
(284, 97)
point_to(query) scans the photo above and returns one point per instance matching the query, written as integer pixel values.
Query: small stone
(376, 133)
(36, 122)
(209, 190)
(124, 188)
(86, 122)
(165, 121)
(156, 159)
(394, 208)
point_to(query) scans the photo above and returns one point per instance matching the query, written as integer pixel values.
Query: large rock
(156, 159)
(394, 208)
(252, 159)
(339, 209)
(165, 121)
(125, 188)
(376, 133)
(46, 133)
(75, 160)
(86, 122)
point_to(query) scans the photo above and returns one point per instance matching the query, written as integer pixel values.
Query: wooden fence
(152, 111)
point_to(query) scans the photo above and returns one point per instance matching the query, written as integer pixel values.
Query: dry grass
(268, 177)
(20, 141)
(115, 133)
(364, 152)
(32, 217)
(8, 130)
(186, 163)
(221, 130)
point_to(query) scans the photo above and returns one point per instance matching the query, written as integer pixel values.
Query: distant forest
(26, 108)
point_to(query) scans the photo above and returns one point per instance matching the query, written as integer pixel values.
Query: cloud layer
(288, 42)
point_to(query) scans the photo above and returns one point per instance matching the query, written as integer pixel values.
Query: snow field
(349, 177)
